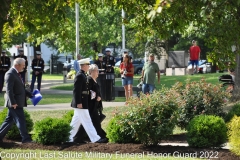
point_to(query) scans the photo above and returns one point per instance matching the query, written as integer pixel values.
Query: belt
(85, 92)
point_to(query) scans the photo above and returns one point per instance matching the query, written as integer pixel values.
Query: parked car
(69, 65)
(204, 67)
(138, 65)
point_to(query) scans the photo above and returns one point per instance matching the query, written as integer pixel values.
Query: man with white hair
(15, 101)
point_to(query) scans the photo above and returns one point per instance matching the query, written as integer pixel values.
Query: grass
(166, 81)
(56, 98)
(66, 155)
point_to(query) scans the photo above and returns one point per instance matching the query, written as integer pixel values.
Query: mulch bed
(129, 150)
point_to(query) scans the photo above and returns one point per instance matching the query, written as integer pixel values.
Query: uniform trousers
(82, 116)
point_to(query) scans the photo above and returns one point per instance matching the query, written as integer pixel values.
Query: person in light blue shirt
(76, 64)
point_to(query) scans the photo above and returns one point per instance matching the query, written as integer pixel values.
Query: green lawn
(166, 81)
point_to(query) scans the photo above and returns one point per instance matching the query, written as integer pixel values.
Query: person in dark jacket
(21, 55)
(15, 101)
(38, 68)
(95, 105)
(4, 67)
(81, 106)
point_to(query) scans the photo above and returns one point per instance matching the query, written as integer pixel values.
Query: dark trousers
(39, 80)
(17, 116)
(2, 74)
(81, 134)
(23, 74)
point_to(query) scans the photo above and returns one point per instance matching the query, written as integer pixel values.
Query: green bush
(71, 74)
(117, 72)
(14, 133)
(235, 110)
(149, 119)
(68, 116)
(234, 134)
(116, 132)
(206, 131)
(200, 98)
(51, 131)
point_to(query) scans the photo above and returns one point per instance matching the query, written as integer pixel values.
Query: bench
(119, 91)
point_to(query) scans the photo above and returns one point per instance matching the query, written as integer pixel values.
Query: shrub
(235, 110)
(117, 71)
(234, 134)
(200, 98)
(206, 131)
(51, 131)
(68, 116)
(116, 132)
(14, 133)
(71, 74)
(149, 119)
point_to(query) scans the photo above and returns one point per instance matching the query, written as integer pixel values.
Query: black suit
(94, 107)
(16, 94)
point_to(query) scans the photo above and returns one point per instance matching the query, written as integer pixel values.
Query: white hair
(18, 61)
(92, 67)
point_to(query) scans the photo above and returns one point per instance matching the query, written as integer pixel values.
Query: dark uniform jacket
(5, 63)
(101, 65)
(93, 103)
(26, 61)
(80, 90)
(110, 62)
(38, 65)
(15, 90)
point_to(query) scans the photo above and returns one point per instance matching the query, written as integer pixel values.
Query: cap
(152, 55)
(3, 51)
(84, 61)
(193, 41)
(20, 49)
(108, 50)
(38, 52)
(100, 54)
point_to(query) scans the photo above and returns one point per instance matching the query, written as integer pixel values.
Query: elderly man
(15, 101)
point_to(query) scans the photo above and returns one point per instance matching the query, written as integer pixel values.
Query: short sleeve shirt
(150, 70)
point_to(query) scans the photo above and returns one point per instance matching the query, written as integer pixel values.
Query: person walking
(194, 52)
(95, 105)
(81, 106)
(127, 72)
(15, 101)
(76, 65)
(4, 67)
(150, 69)
(37, 70)
(21, 55)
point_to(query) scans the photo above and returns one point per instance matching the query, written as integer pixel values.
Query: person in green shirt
(149, 71)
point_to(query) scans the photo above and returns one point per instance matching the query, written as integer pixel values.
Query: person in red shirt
(127, 72)
(194, 55)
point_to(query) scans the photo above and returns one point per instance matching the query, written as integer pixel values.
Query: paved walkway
(45, 89)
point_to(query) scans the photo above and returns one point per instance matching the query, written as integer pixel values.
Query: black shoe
(102, 140)
(69, 143)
